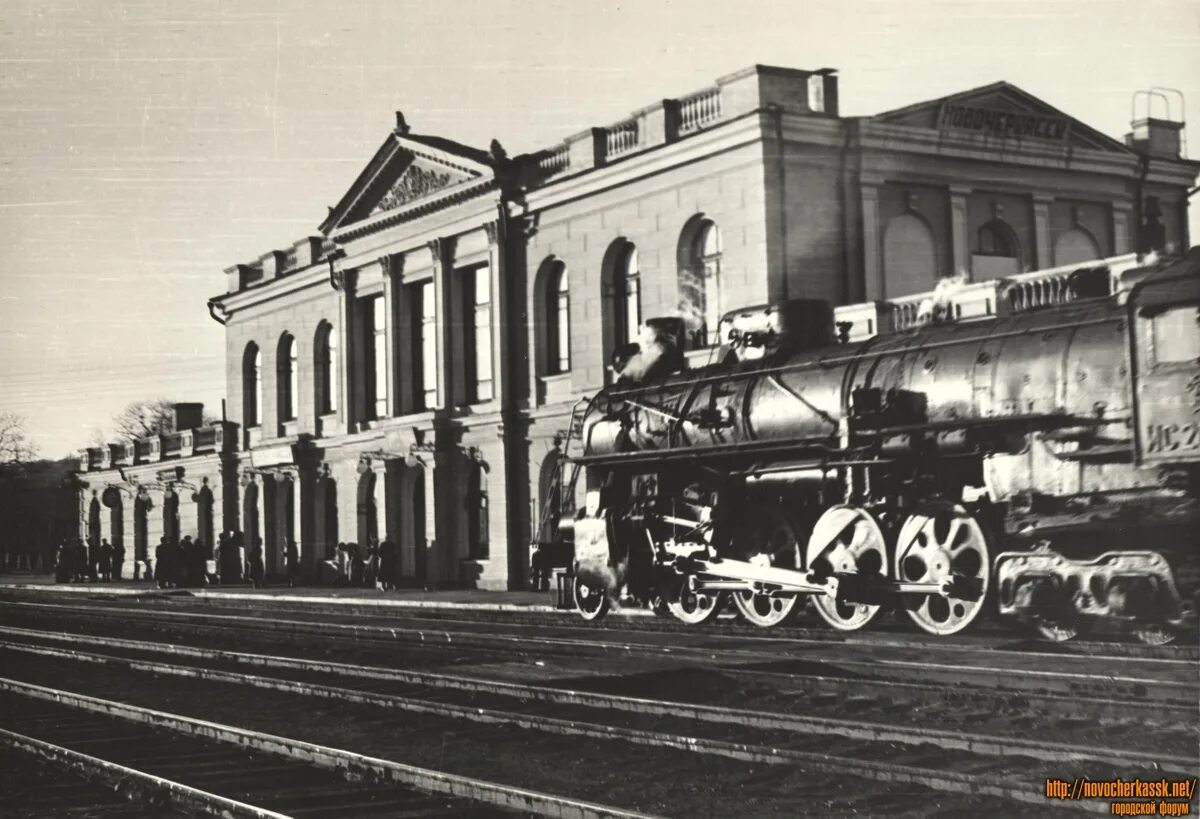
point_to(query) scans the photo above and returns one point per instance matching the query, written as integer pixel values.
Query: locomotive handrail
(859, 353)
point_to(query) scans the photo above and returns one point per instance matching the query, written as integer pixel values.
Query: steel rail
(126, 779)
(354, 764)
(982, 744)
(430, 637)
(935, 779)
(432, 679)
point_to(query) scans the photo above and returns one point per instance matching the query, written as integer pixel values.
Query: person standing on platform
(118, 560)
(186, 568)
(106, 561)
(343, 565)
(79, 560)
(237, 544)
(388, 576)
(293, 562)
(62, 563)
(165, 565)
(356, 564)
(254, 563)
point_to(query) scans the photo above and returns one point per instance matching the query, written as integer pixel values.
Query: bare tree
(15, 446)
(141, 419)
(154, 416)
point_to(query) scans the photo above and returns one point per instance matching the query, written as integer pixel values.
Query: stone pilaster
(872, 263)
(960, 243)
(1122, 220)
(1043, 250)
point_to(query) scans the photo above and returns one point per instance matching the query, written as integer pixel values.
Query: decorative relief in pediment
(416, 182)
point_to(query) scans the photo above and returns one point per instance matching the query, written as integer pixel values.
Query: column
(105, 519)
(1043, 252)
(129, 535)
(189, 516)
(442, 251)
(872, 263)
(390, 267)
(960, 246)
(1122, 215)
(346, 346)
(501, 349)
(379, 495)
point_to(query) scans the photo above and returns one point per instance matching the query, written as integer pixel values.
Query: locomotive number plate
(1172, 437)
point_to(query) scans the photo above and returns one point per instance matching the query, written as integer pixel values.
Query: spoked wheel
(846, 539)
(774, 543)
(694, 608)
(590, 602)
(940, 540)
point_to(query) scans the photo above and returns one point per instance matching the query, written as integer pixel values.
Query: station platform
(530, 601)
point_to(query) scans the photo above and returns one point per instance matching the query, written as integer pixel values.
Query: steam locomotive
(1041, 462)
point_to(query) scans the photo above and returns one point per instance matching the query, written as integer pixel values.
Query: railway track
(908, 733)
(842, 693)
(956, 763)
(1140, 680)
(516, 619)
(160, 754)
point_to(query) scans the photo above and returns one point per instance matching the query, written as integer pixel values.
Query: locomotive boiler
(1041, 461)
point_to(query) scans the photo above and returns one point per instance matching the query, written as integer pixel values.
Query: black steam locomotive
(1046, 458)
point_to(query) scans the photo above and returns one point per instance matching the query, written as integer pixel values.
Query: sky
(145, 146)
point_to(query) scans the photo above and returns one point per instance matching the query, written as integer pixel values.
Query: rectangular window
(1175, 335)
(480, 343)
(377, 378)
(426, 309)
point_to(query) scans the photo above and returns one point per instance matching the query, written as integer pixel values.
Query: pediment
(417, 179)
(1000, 112)
(404, 171)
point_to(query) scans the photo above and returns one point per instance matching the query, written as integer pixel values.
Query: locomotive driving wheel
(846, 539)
(774, 543)
(938, 541)
(693, 607)
(591, 602)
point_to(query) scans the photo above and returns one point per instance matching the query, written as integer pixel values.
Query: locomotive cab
(1164, 314)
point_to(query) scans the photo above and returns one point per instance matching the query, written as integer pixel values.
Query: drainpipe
(1139, 216)
(781, 170)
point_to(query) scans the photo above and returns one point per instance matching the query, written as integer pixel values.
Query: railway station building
(408, 371)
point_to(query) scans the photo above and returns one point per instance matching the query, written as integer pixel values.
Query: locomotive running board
(752, 575)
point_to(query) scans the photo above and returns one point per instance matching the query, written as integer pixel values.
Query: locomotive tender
(1046, 457)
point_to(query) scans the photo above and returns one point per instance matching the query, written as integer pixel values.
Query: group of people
(378, 567)
(181, 564)
(80, 562)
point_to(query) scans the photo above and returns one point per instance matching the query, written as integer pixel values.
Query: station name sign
(1002, 124)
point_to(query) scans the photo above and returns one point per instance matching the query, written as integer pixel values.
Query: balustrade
(699, 110)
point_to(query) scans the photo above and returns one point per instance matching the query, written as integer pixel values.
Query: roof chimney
(1158, 137)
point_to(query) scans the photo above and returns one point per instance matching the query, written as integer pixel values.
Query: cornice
(447, 197)
(927, 142)
(745, 130)
(313, 276)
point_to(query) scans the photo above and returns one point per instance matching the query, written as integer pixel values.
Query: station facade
(408, 372)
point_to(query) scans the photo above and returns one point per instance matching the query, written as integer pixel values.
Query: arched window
(562, 321)
(621, 291)
(288, 374)
(909, 256)
(251, 386)
(1075, 246)
(629, 295)
(996, 238)
(700, 282)
(325, 362)
(552, 315)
